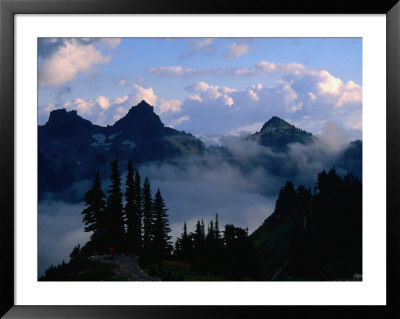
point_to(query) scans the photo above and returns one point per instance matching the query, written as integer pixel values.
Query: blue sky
(206, 86)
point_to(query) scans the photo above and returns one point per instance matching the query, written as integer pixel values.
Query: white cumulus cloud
(237, 49)
(121, 82)
(120, 100)
(209, 92)
(296, 97)
(202, 45)
(352, 93)
(247, 129)
(268, 68)
(169, 106)
(179, 120)
(111, 42)
(71, 58)
(104, 102)
(82, 105)
(329, 84)
(195, 98)
(142, 93)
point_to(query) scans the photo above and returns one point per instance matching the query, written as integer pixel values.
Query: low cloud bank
(60, 228)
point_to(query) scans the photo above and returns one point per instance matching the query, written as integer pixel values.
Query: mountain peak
(142, 108)
(63, 123)
(277, 134)
(275, 123)
(63, 117)
(141, 122)
(61, 114)
(143, 103)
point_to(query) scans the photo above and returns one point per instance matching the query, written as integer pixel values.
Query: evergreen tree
(216, 228)
(300, 251)
(178, 251)
(199, 264)
(287, 200)
(114, 213)
(133, 212)
(304, 198)
(184, 245)
(185, 233)
(213, 252)
(148, 219)
(187, 244)
(202, 231)
(130, 208)
(139, 210)
(337, 205)
(239, 253)
(93, 214)
(210, 231)
(161, 230)
(75, 254)
(198, 235)
(328, 244)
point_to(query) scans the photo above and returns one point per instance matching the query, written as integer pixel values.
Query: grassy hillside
(83, 270)
(272, 242)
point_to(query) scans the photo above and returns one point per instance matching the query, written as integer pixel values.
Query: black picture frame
(8, 9)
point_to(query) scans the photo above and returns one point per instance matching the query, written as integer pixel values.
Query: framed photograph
(175, 160)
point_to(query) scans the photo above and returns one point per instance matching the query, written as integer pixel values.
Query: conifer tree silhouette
(93, 214)
(161, 228)
(148, 219)
(216, 228)
(139, 211)
(133, 211)
(114, 218)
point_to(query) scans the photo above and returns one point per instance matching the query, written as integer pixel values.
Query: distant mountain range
(72, 148)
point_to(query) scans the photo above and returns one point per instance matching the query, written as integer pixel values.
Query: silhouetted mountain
(272, 237)
(72, 148)
(141, 124)
(277, 134)
(351, 160)
(64, 125)
(314, 236)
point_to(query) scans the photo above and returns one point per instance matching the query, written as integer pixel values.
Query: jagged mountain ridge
(72, 148)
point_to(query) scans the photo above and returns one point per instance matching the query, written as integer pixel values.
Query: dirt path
(128, 266)
(279, 271)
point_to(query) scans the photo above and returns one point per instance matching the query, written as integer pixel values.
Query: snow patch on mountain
(100, 140)
(130, 144)
(114, 135)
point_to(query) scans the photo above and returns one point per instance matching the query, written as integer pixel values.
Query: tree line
(133, 222)
(313, 234)
(327, 244)
(229, 253)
